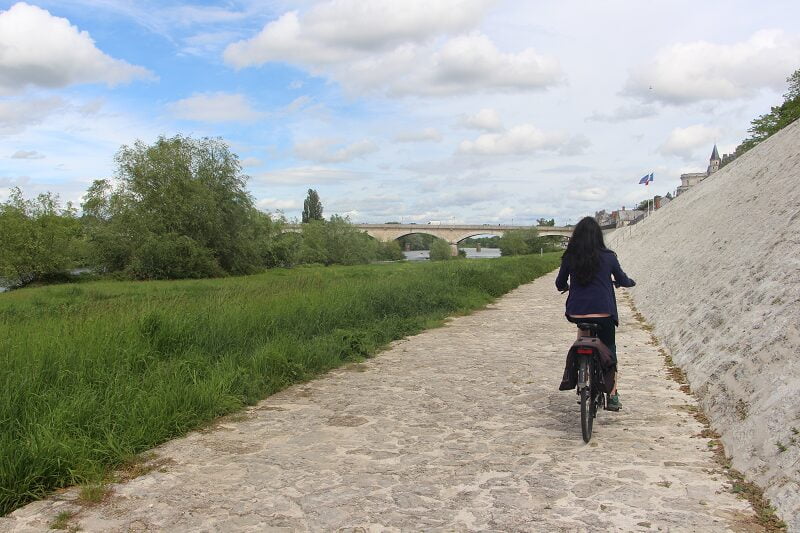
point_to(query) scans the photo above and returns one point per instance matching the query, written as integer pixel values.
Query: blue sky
(460, 110)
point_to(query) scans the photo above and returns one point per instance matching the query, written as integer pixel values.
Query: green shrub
(390, 251)
(440, 250)
(172, 256)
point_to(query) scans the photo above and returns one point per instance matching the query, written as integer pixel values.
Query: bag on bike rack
(570, 378)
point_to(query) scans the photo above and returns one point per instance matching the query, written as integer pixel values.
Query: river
(472, 253)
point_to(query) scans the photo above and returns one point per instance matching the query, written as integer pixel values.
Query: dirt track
(459, 428)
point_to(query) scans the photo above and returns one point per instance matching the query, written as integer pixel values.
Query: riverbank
(460, 428)
(94, 373)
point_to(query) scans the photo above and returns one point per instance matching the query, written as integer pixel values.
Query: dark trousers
(606, 333)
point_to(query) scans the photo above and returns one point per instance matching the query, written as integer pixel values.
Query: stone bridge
(452, 233)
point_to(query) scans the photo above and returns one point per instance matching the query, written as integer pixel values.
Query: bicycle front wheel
(587, 402)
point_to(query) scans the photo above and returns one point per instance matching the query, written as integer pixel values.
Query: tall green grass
(92, 374)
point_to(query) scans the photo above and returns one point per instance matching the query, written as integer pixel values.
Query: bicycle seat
(594, 329)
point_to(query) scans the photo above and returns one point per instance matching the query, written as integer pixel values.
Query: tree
(522, 241)
(336, 242)
(390, 251)
(416, 241)
(312, 207)
(440, 250)
(545, 222)
(778, 117)
(177, 196)
(38, 238)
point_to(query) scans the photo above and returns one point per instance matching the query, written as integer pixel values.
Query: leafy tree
(390, 251)
(545, 222)
(485, 242)
(177, 187)
(172, 256)
(778, 117)
(312, 207)
(336, 242)
(416, 241)
(521, 242)
(38, 238)
(440, 250)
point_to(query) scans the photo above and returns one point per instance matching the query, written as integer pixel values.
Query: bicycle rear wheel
(587, 402)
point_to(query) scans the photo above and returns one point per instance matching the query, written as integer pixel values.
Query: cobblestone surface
(458, 428)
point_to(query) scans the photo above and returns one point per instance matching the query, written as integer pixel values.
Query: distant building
(603, 218)
(691, 179)
(624, 217)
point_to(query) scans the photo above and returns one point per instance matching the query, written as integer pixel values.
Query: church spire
(713, 163)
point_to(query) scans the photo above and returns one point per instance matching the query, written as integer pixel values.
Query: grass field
(92, 374)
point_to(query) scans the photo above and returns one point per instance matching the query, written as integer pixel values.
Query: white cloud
(396, 47)
(328, 151)
(683, 142)
(588, 194)
(464, 64)
(691, 72)
(342, 30)
(427, 134)
(307, 176)
(519, 140)
(27, 154)
(16, 115)
(271, 204)
(251, 162)
(485, 119)
(38, 49)
(624, 113)
(215, 107)
(297, 104)
(207, 42)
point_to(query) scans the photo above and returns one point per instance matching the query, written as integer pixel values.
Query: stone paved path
(458, 428)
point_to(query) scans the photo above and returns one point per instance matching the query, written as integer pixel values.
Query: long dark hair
(583, 251)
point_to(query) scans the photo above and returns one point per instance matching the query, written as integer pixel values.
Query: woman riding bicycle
(589, 266)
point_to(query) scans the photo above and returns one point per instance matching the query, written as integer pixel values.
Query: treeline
(176, 209)
(527, 241)
(766, 125)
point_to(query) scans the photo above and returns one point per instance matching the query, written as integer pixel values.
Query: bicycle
(591, 382)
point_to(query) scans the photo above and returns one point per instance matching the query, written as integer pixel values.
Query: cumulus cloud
(18, 114)
(485, 119)
(27, 154)
(683, 142)
(427, 134)
(342, 30)
(691, 72)
(519, 140)
(38, 49)
(215, 107)
(328, 151)
(396, 47)
(623, 114)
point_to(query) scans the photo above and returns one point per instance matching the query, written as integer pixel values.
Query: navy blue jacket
(598, 296)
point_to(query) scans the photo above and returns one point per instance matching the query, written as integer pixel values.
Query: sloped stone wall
(718, 273)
